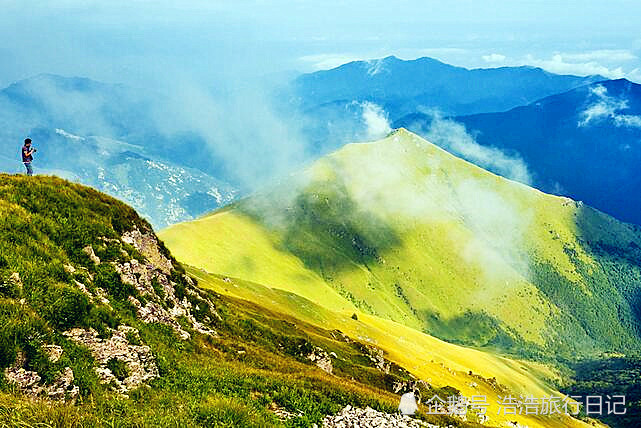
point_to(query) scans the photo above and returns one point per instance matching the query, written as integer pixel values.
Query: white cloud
(609, 63)
(564, 64)
(376, 120)
(608, 55)
(327, 61)
(607, 107)
(68, 135)
(628, 120)
(635, 75)
(494, 58)
(453, 137)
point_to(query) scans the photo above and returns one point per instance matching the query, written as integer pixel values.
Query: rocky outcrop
(152, 312)
(351, 417)
(283, 414)
(376, 356)
(153, 279)
(122, 361)
(63, 388)
(321, 358)
(137, 361)
(147, 245)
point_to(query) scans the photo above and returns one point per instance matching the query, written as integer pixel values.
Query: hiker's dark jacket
(25, 157)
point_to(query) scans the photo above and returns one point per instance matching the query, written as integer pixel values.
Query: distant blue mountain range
(331, 103)
(402, 87)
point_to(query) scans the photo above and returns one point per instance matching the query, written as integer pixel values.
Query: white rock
(408, 404)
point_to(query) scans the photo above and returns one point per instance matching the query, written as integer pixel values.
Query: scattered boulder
(376, 356)
(99, 295)
(63, 388)
(283, 414)
(92, 256)
(54, 352)
(15, 280)
(25, 380)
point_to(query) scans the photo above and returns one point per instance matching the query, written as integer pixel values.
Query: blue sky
(144, 42)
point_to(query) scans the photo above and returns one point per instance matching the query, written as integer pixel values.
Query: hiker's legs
(29, 169)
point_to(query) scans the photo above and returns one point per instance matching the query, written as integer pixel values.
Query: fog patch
(244, 130)
(376, 121)
(499, 229)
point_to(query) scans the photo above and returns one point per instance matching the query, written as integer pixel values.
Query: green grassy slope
(402, 230)
(441, 364)
(256, 361)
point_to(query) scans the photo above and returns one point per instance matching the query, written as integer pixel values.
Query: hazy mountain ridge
(402, 86)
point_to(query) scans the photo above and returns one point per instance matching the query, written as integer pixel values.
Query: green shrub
(228, 413)
(22, 330)
(101, 319)
(108, 279)
(158, 289)
(118, 368)
(65, 307)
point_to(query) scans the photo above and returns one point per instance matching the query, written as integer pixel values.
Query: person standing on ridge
(27, 155)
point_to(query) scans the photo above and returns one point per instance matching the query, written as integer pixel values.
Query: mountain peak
(413, 147)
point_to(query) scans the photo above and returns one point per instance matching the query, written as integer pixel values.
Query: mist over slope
(583, 143)
(403, 230)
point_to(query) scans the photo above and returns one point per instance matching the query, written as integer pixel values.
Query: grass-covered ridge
(256, 362)
(403, 230)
